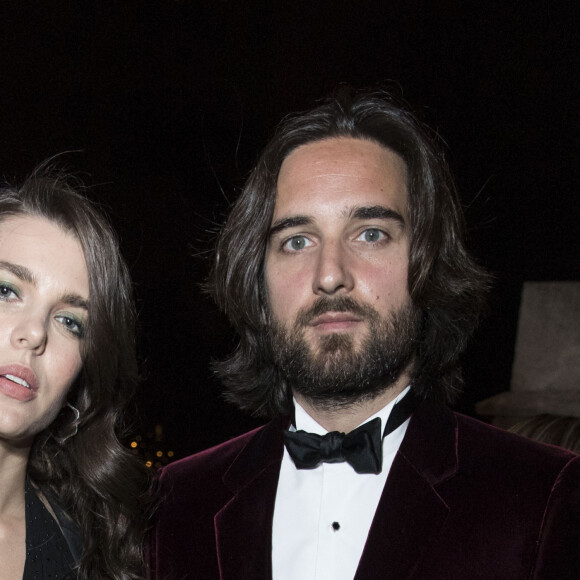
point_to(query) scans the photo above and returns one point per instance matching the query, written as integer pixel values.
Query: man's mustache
(338, 304)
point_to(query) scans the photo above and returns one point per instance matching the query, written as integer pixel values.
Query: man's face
(337, 260)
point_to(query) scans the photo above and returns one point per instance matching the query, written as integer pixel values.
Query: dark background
(167, 104)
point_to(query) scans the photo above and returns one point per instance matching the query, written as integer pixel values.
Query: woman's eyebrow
(24, 274)
(75, 300)
(20, 272)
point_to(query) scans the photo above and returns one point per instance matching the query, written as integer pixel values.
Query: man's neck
(345, 418)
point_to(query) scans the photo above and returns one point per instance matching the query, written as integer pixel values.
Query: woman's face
(44, 293)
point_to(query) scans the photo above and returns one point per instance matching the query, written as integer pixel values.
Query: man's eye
(372, 235)
(296, 243)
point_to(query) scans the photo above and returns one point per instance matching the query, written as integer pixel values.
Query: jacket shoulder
(212, 462)
(443, 445)
(499, 446)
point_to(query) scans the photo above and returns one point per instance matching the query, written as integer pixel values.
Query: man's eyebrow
(376, 212)
(291, 222)
(361, 213)
(20, 272)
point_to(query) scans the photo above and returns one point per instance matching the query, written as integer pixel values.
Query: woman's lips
(18, 382)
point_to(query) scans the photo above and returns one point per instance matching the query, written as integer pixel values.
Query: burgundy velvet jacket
(463, 500)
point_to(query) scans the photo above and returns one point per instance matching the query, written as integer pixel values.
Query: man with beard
(343, 269)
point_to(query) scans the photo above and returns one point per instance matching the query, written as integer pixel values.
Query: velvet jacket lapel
(410, 512)
(409, 515)
(244, 525)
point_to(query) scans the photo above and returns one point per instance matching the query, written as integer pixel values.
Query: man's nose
(333, 272)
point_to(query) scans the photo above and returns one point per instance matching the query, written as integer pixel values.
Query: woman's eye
(71, 324)
(296, 243)
(7, 292)
(372, 235)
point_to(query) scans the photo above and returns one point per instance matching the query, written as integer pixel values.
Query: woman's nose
(29, 332)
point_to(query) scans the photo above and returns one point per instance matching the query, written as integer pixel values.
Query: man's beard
(335, 373)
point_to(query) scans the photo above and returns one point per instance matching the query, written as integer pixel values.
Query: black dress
(48, 556)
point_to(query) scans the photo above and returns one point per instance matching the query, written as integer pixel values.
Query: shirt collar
(303, 421)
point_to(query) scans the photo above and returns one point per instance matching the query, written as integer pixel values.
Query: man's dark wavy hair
(100, 485)
(443, 280)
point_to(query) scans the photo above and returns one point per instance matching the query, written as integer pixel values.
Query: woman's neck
(13, 462)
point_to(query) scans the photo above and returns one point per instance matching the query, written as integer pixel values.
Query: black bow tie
(361, 448)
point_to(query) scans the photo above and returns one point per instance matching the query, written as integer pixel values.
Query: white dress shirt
(322, 516)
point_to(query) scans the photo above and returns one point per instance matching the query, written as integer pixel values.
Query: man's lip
(22, 372)
(334, 318)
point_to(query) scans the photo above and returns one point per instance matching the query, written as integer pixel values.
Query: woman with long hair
(71, 496)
